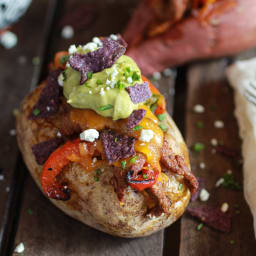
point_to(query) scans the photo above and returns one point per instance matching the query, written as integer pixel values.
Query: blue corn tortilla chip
(121, 41)
(135, 117)
(117, 146)
(43, 149)
(213, 217)
(139, 92)
(97, 60)
(49, 99)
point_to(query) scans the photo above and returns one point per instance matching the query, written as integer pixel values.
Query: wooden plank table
(28, 217)
(208, 87)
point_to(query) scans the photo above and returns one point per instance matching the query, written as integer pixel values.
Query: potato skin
(95, 203)
(189, 40)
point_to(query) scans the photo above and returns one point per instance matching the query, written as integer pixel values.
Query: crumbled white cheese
(218, 124)
(20, 248)
(61, 79)
(90, 46)
(219, 182)
(1, 177)
(67, 32)
(199, 108)
(204, 195)
(167, 72)
(224, 207)
(89, 135)
(12, 132)
(157, 76)
(113, 37)
(68, 65)
(114, 73)
(146, 135)
(94, 160)
(129, 80)
(8, 40)
(202, 165)
(59, 134)
(97, 41)
(72, 49)
(158, 139)
(214, 142)
(102, 91)
(7, 189)
(48, 108)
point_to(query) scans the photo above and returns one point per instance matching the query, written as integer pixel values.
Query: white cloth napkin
(242, 76)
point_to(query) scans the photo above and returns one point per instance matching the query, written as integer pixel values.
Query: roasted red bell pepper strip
(161, 104)
(54, 165)
(58, 59)
(146, 178)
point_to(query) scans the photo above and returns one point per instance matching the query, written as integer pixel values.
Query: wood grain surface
(207, 86)
(16, 67)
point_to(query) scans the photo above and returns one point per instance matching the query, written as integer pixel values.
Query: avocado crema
(104, 92)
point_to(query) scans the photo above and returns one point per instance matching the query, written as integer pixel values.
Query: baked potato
(93, 189)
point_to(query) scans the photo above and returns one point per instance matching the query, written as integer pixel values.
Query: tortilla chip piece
(117, 146)
(213, 217)
(139, 92)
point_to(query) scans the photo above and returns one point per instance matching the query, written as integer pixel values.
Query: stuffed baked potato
(118, 181)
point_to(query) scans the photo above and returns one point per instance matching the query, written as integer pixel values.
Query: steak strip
(175, 164)
(118, 181)
(163, 202)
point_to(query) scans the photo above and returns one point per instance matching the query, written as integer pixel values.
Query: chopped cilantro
(153, 107)
(64, 75)
(119, 85)
(128, 69)
(199, 226)
(99, 82)
(199, 124)
(123, 163)
(180, 187)
(36, 61)
(161, 117)
(133, 160)
(87, 85)
(230, 182)
(89, 75)
(30, 212)
(145, 176)
(96, 178)
(163, 127)
(138, 127)
(116, 139)
(36, 111)
(198, 147)
(98, 171)
(106, 107)
(64, 59)
(135, 76)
